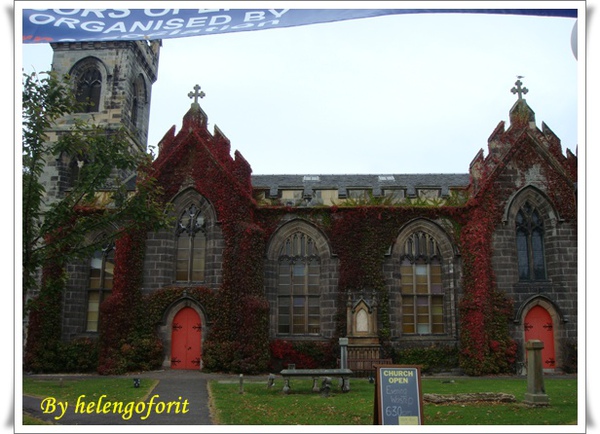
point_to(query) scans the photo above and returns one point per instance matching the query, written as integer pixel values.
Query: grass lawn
(30, 420)
(119, 389)
(261, 406)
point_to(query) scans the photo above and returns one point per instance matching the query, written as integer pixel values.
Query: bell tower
(114, 79)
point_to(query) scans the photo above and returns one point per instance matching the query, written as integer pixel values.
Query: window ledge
(300, 337)
(417, 336)
(533, 285)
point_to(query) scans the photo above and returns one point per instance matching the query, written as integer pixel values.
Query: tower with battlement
(113, 80)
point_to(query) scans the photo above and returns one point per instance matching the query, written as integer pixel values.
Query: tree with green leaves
(97, 202)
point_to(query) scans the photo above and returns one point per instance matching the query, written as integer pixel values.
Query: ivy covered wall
(359, 236)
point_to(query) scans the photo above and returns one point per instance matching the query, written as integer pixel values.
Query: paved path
(187, 390)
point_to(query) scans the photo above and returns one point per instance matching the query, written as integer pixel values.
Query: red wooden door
(538, 325)
(186, 340)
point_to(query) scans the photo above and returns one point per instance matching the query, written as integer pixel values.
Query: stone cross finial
(520, 90)
(195, 94)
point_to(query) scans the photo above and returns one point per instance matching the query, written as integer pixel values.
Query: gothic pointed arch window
(134, 108)
(100, 283)
(530, 244)
(74, 170)
(138, 100)
(298, 287)
(421, 285)
(191, 245)
(88, 87)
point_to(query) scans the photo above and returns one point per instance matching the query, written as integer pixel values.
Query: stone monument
(536, 392)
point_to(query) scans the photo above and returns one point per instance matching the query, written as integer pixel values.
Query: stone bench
(315, 374)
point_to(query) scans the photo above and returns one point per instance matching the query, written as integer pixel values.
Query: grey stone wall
(558, 292)
(159, 260)
(160, 255)
(121, 63)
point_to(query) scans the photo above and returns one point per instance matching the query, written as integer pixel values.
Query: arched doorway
(186, 340)
(538, 325)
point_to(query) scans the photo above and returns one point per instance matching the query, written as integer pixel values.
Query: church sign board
(398, 397)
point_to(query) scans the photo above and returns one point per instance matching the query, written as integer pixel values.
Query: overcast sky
(414, 93)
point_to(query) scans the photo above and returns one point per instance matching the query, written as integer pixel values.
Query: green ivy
(119, 312)
(42, 351)
(303, 354)
(569, 364)
(432, 359)
(360, 234)
(238, 338)
(78, 355)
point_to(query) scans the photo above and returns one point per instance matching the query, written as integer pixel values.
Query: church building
(260, 268)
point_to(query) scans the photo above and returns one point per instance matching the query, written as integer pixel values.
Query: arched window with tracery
(100, 283)
(298, 288)
(191, 246)
(530, 244)
(88, 89)
(421, 285)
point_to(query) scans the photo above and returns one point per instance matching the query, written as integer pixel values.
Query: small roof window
(387, 178)
(310, 178)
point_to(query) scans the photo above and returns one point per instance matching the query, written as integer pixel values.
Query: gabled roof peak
(195, 115)
(521, 114)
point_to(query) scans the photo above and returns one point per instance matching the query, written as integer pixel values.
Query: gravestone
(536, 392)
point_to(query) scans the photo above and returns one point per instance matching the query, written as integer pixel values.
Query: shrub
(79, 355)
(569, 364)
(146, 354)
(304, 354)
(431, 359)
(214, 353)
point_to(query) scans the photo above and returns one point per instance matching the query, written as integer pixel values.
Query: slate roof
(410, 182)
(273, 183)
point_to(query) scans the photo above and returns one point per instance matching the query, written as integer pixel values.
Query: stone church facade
(481, 261)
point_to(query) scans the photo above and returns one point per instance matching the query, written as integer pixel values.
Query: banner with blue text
(80, 25)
